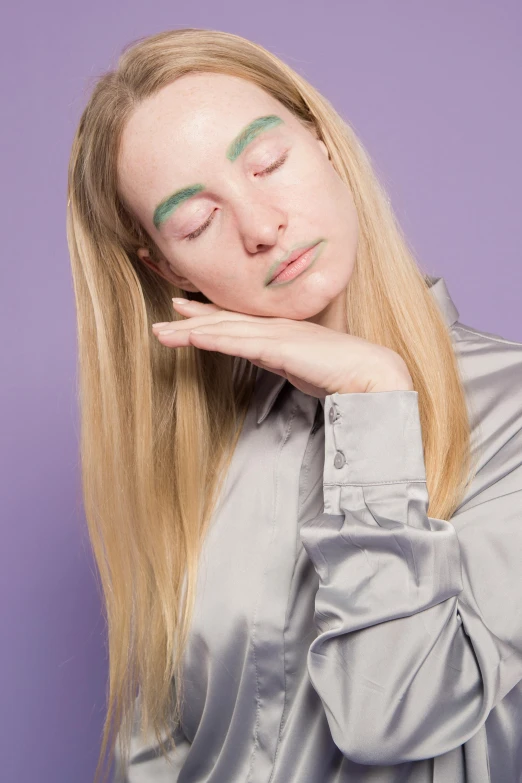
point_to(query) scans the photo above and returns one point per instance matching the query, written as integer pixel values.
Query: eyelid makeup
(167, 206)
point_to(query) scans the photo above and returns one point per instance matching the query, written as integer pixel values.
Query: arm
(420, 635)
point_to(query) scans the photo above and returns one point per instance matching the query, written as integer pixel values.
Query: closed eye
(273, 166)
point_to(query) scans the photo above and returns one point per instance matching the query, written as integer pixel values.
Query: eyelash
(268, 170)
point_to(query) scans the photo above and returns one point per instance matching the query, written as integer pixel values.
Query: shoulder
(491, 370)
(491, 366)
(488, 521)
(492, 351)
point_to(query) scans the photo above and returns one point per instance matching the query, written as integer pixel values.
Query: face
(225, 202)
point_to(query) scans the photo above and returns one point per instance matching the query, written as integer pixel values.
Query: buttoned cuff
(373, 438)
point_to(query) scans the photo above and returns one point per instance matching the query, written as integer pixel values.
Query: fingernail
(162, 323)
(179, 300)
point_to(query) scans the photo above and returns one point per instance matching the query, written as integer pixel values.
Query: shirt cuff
(373, 438)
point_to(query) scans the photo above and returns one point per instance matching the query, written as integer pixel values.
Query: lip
(293, 256)
(302, 264)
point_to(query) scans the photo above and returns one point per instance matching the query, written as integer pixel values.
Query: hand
(315, 359)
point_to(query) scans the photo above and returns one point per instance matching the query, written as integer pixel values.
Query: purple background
(433, 91)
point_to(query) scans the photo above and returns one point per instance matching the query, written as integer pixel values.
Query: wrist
(388, 374)
(402, 383)
(395, 378)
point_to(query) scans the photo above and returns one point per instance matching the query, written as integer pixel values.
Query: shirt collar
(269, 384)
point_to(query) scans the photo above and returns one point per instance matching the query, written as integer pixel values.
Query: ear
(164, 269)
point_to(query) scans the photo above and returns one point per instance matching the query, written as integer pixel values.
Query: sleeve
(419, 622)
(146, 763)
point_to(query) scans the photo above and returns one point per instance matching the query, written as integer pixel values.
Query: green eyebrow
(166, 207)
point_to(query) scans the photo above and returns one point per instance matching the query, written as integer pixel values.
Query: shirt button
(339, 459)
(331, 415)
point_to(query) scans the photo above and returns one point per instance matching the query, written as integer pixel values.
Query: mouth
(293, 256)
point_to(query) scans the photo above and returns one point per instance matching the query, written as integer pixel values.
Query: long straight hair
(159, 427)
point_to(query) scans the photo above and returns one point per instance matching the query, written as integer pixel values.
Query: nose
(260, 225)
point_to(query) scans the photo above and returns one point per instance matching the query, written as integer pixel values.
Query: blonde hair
(158, 426)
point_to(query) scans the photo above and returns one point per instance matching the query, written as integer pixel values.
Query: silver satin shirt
(340, 634)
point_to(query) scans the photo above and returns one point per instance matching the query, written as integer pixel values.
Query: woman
(303, 485)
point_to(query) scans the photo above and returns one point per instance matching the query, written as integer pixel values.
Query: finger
(221, 323)
(241, 338)
(185, 325)
(191, 304)
(189, 322)
(265, 349)
(233, 320)
(280, 352)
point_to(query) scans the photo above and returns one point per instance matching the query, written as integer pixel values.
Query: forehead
(187, 126)
(194, 106)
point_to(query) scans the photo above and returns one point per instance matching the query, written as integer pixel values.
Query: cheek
(221, 279)
(338, 188)
(343, 205)
(326, 191)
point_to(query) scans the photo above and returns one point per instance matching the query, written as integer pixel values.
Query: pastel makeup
(168, 205)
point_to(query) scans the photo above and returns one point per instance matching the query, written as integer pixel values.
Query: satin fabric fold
(340, 635)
